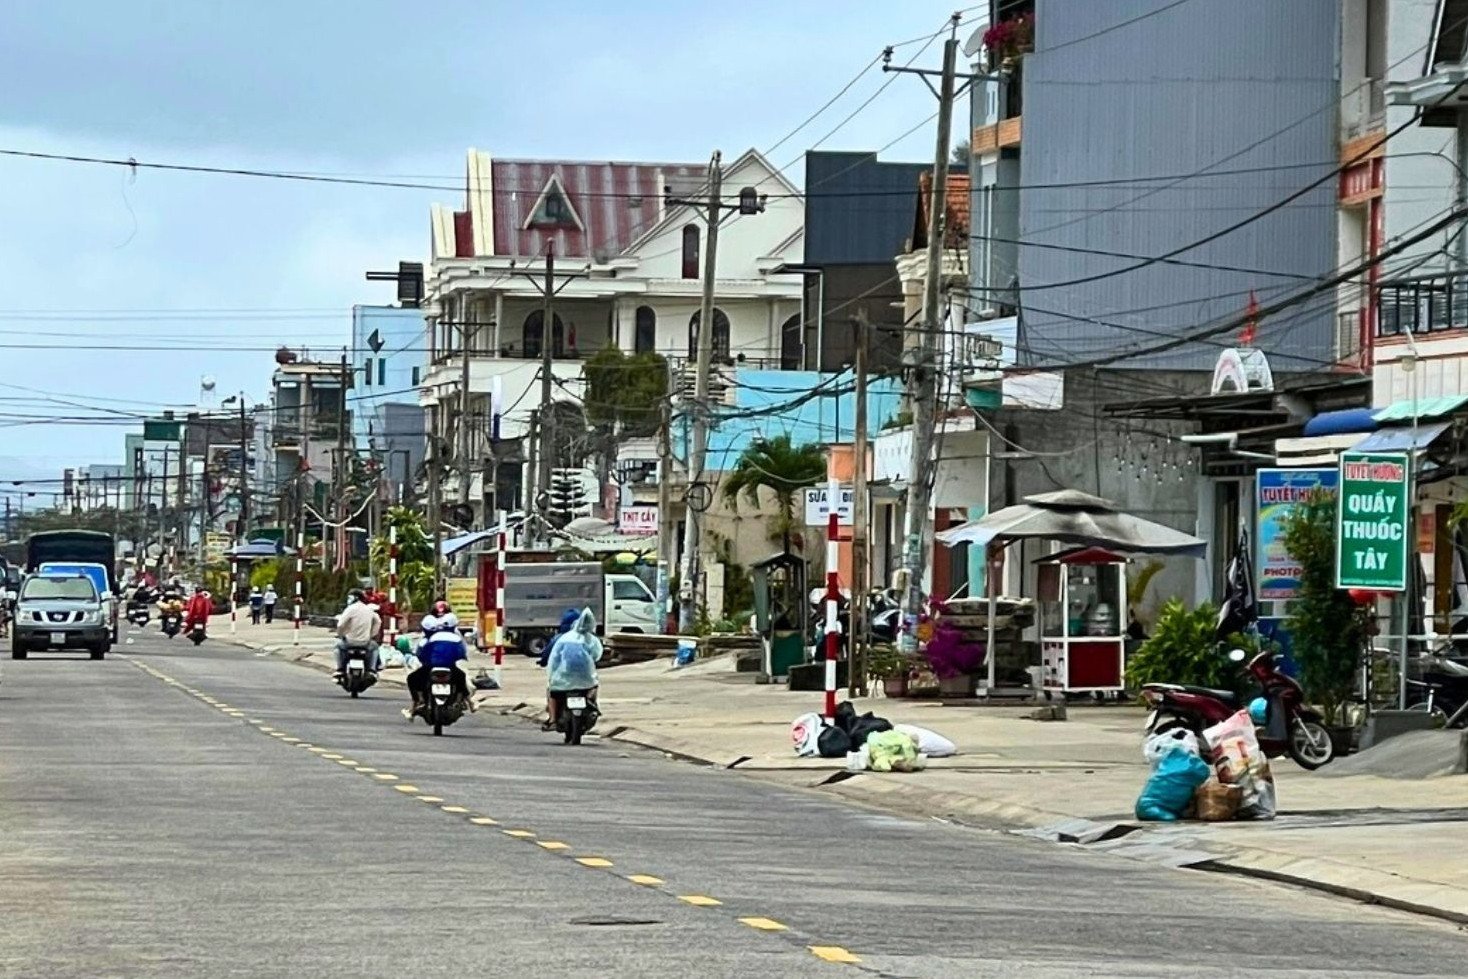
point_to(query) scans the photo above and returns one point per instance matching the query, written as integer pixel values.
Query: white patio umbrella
(1069, 517)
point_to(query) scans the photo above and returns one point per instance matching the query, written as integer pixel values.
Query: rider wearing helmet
(443, 647)
(358, 626)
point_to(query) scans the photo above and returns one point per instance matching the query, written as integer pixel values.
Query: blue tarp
(1341, 422)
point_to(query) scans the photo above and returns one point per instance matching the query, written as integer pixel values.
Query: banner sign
(1276, 491)
(1373, 521)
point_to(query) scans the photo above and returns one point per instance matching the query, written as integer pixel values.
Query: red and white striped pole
(499, 598)
(392, 581)
(234, 579)
(300, 573)
(833, 593)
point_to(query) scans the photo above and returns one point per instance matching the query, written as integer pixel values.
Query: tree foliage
(775, 464)
(415, 558)
(1327, 629)
(1182, 649)
(624, 391)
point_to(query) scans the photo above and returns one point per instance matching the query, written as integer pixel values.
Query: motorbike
(1291, 728)
(356, 677)
(196, 633)
(884, 615)
(137, 614)
(1443, 689)
(576, 714)
(443, 705)
(171, 623)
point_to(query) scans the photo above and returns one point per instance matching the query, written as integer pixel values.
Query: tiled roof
(956, 208)
(615, 202)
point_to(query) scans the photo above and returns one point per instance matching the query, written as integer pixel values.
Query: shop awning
(1342, 421)
(1405, 411)
(456, 544)
(1407, 439)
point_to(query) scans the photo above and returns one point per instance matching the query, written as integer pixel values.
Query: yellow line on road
(455, 809)
(484, 821)
(329, 756)
(365, 770)
(699, 900)
(427, 798)
(319, 751)
(519, 834)
(386, 777)
(406, 789)
(276, 734)
(345, 761)
(646, 880)
(552, 845)
(266, 730)
(834, 953)
(594, 861)
(763, 924)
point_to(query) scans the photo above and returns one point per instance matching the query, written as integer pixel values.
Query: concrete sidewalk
(1387, 840)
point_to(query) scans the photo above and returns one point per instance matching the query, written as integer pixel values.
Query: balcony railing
(1351, 342)
(1424, 304)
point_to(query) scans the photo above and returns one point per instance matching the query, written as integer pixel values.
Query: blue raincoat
(568, 622)
(571, 664)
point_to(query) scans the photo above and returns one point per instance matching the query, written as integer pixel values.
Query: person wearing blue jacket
(571, 664)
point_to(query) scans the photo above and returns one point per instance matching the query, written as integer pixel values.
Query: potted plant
(1008, 39)
(888, 664)
(954, 660)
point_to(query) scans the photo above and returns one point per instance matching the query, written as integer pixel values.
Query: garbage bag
(1169, 790)
(1240, 761)
(894, 751)
(1159, 745)
(833, 742)
(859, 760)
(485, 681)
(388, 657)
(1216, 801)
(805, 732)
(865, 726)
(929, 743)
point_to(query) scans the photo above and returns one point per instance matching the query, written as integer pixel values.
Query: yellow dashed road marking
(519, 834)
(834, 953)
(594, 861)
(276, 734)
(291, 740)
(386, 777)
(646, 880)
(408, 789)
(328, 756)
(267, 730)
(427, 798)
(365, 770)
(699, 900)
(454, 809)
(344, 761)
(318, 751)
(763, 924)
(551, 844)
(484, 821)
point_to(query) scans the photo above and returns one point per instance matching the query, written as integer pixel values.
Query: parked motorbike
(137, 614)
(196, 633)
(444, 705)
(884, 615)
(356, 677)
(576, 714)
(1291, 727)
(1442, 689)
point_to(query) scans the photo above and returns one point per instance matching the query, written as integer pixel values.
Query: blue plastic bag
(1168, 792)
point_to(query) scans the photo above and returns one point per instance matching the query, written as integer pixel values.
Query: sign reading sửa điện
(1373, 521)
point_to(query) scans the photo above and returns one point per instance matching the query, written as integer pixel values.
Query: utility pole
(435, 496)
(665, 503)
(244, 527)
(540, 473)
(339, 480)
(921, 365)
(465, 338)
(689, 593)
(856, 674)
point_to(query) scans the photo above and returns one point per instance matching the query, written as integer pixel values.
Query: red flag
(1246, 338)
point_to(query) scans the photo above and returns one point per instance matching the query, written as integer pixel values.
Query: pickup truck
(100, 579)
(536, 595)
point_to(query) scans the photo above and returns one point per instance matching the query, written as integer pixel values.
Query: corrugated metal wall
(1248, 84)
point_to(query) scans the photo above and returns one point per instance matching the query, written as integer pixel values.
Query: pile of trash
(1226, 776)
(867, 742)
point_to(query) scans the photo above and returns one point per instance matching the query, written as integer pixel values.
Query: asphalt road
(212, 812)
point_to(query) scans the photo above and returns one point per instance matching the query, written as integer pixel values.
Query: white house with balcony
(628, 266)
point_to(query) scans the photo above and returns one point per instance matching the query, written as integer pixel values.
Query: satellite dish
(206, 383)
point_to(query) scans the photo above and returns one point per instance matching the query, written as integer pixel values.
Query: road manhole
(604, 921)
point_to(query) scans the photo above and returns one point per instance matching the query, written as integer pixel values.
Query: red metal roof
(615, 202)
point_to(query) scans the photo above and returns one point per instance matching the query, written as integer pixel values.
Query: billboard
(1275, 492)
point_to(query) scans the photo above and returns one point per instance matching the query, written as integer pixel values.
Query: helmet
(355, 595)
(441, 608)
(1259, 710)
(430, 623)
(447, 622)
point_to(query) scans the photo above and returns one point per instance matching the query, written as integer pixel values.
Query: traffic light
(569, 497)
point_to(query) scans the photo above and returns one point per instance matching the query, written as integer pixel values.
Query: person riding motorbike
(198, 610)
(359, 626)
(571, 665)
(442, 647)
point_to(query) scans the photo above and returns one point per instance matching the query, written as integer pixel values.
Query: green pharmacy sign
(1373, 521)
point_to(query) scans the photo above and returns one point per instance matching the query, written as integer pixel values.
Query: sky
(101, 266)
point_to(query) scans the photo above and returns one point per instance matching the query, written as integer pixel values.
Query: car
(55, 612)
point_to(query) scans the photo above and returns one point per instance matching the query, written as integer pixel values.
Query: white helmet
(450, 621)
(430, 623)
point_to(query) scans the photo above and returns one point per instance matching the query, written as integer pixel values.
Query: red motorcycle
(1291, 728)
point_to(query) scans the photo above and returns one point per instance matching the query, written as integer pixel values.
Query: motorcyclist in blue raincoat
(571, 664)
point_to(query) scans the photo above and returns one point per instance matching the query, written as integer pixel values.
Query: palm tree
(783, 468)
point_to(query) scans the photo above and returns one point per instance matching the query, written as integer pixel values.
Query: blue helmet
(1259, 710)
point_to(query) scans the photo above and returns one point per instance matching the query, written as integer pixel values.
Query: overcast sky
(365, 87)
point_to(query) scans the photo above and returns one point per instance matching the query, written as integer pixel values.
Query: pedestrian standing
(257, 605)
(268, 600)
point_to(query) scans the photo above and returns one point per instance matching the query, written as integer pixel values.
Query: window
(721, 335)
(367, 372)
(381, 370)
(645, 335)
(630, 591)
(39, 588)
(690, 251)
(792, 344)
(553, 209)
(531, 335)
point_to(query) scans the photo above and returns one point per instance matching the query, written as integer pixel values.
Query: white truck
(538, 594)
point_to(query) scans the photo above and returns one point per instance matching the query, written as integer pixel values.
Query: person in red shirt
(198, 609)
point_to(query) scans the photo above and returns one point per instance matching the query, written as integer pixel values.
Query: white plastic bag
(930, 743)
(1159, 745)
(805, 734)
(859, 760)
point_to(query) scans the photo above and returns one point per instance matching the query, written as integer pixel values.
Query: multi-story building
(309, 430)
(628, 252)
(388, 356)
